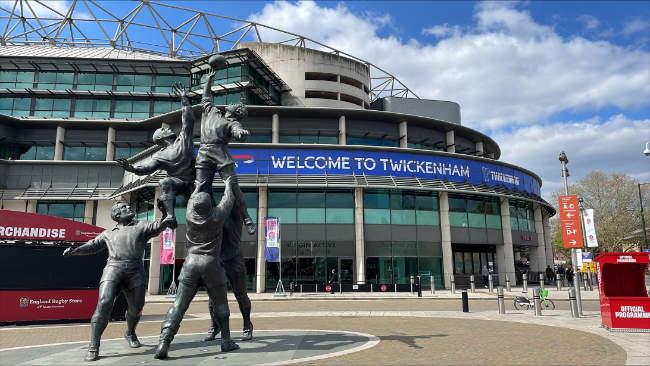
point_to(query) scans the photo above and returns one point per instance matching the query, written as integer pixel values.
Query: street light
(645, 235)
(574, 253)
(647, 149)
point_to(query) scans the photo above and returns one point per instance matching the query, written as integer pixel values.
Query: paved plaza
(341, 329)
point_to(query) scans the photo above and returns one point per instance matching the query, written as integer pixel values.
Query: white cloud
(636, 26)
(614, 145)
(506, 69)
(590, 22)
(441, 31)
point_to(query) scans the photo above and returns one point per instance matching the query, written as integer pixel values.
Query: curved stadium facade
(379, 187)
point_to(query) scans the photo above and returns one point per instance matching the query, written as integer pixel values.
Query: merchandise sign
(272, 239)
(38, 305)
(167, 238)
(590, 228)
(570, 222)
(15, 225)
(382, 163)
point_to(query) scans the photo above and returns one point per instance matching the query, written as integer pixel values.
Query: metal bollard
(490, 283)
(573, 302)
(465, 301)
(419, 285)
(500, 300)
(453, 285)
(301, 288)
(433, 285)
(541, 282)
(507, 283)
(558, 283)
(524, 277)
(591, 281)
(472, 285)
(371, 289)
(412, 279)
(537, 302)
(585, 282)
(395, 287)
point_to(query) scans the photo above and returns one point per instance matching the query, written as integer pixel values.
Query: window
(93, 81)
(84, 153)
(15, 106)
(522, 216)
(131, 109)
(371, 141)
(36, 152)
(126, 151)
(397, 261)
(312, 207)
(231, 97)
(93, 108)
(475, 212)
(16, 79)
(165, 106)
(164, 82)
(307, 138)
(134, 82)
(69, 210)
(50, 107)
(55, 80)
(401, 207)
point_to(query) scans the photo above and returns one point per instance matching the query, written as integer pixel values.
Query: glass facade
(474, 212)
(93, 108)
(94, 81)
(55, 80)
(394, 207)
(35, 152)
(16, 79)
(470, 260)
(308, 139)
(131, 109)
(52, 107)
(18, 107)
(312, 207)
(126, 151)
(522, 216)
(67, 209)
(371, 141)
(84, 153)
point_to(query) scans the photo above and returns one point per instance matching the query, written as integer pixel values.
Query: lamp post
(574, 253)
(645, 235)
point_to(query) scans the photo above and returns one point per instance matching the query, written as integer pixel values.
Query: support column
(262, 204)
(451, 145)
(60, 139)
(110, 145)
(505, 256)
(31, 206)
(88, 211)
(548, 241)
(445, 231)
(359, 244)
(154, 261)
(479, 148)
(275, 129)
(541, 245)
(403, 134)
(342, 131)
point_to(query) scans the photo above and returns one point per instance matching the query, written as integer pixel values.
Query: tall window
(52, 107)
(15, 106)
(94, 81)
(131, 109)
(522, 217)
(16, 79)
(84, 152)
(134, 82)
(312, 207)
(164, 82)
(36, 151)
(397, 207)
(93, 108)
(67, 209)
(474, 212)
(55, 80)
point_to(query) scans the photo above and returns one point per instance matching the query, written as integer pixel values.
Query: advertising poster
(272, 239)
(167, 240)
(590, 229)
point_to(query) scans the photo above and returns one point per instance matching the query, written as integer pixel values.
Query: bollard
(371, 290)
(465, 301)
(433, 285)
(573, 303)
(500, 300)
(412, 285)
(395, 288)
(472, 285)
(453, 285)
(524, 277)
(490, 283)
(585, 282)
(301, 288)
(541, 282)
(419, 285)
(507, 283)
(558, 283)
(591, 281)
(537, 302)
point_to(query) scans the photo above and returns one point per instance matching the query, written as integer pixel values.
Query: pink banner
(167, 240)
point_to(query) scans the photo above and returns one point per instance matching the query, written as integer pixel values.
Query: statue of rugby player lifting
(124, 271)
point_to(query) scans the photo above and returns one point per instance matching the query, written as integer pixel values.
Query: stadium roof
(81, 52)
(171, 32)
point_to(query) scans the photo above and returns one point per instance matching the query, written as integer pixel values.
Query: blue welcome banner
(382, 163)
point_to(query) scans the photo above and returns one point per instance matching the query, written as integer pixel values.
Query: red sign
(570, 222)
(328, 288)
(15, 225)
(383, 288)
(38, 305)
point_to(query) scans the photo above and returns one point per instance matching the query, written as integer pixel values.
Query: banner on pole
(167, 240)
(272, 239)
(570, 221)
(590, 229)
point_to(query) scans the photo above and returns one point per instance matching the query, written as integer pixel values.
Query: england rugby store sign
(25, 226)
(383, 163)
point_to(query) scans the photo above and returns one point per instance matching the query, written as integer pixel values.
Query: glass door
(346, 269)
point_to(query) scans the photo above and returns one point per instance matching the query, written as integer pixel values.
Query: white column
(449, 138)
(505, 256)
(342, 131)
(540, 259)
(403, 134)
(88, 211)
(360, 248)
(31, 206)
(60, 139)
(445, 231)
(110, 144)
(479, 148)
(262, 199)
(154, 261)
(548, 241)
(275, 129)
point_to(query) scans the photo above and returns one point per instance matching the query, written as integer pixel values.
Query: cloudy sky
(538, 77)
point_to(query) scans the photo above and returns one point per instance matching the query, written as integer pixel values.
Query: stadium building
(365, 177)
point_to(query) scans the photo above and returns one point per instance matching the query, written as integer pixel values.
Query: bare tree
(615, 201)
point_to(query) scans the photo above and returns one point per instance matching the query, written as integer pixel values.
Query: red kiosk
(624, 301)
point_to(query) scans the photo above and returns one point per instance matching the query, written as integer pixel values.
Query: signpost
(570, 222)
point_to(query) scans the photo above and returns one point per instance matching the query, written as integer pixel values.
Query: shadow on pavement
(410, 340)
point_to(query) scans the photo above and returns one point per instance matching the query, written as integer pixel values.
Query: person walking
(485, 273)
(569, 276)
(550, 275)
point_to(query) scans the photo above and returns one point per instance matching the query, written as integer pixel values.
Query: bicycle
(526, 303)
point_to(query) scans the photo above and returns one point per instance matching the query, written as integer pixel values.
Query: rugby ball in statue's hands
(217, 61)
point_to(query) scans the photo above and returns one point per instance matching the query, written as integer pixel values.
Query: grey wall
(438, 109)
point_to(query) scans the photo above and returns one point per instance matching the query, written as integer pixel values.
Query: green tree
(615, 201)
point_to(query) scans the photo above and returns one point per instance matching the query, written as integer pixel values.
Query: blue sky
(537, 76)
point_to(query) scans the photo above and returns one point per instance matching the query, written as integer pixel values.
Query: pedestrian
(485, 273)
(569, 276)
(550, 275)
(333, 280)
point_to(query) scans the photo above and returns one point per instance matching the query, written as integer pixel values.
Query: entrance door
(346, 269)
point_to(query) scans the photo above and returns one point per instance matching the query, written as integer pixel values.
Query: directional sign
(570, 222)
